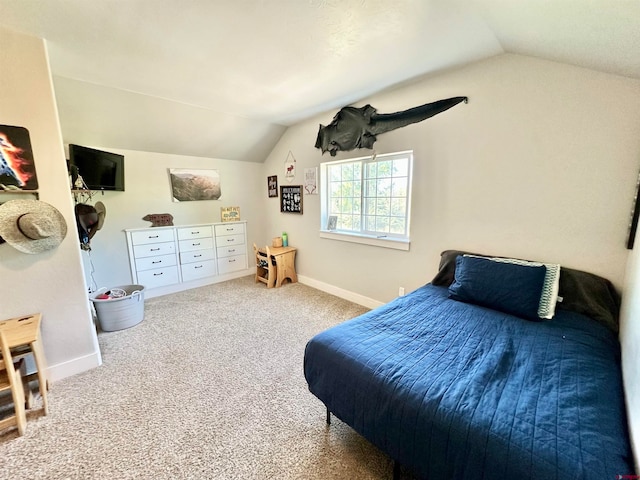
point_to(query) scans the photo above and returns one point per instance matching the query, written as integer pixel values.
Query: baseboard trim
(73, 367)
(340, 292)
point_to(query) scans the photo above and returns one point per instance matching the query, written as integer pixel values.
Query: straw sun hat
(31, 226)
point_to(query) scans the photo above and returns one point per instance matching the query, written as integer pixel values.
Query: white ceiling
(223, 78)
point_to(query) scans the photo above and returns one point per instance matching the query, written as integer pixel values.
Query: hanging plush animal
(354, 127)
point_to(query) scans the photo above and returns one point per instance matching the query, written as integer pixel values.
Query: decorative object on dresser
(159, 219)
(171, 257)
(229, 214)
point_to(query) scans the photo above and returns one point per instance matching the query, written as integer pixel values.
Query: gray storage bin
(120, 312)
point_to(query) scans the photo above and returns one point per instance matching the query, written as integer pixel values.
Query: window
(369, 197)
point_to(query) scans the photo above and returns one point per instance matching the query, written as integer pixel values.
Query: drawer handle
(196, 256)
(194, 233)
(157, 274)
(232, 260)
(153, 236)
(154, 249)
(229, 229)
(198, 266)
(231, 250)
(231, 239)
(195, 244)
(157, 261)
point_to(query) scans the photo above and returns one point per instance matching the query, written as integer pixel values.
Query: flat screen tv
(99, 170)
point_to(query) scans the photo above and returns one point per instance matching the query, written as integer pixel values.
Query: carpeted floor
(208, 386)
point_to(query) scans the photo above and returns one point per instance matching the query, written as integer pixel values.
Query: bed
(456, 387)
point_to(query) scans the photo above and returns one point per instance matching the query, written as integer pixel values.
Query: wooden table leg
(41, 365)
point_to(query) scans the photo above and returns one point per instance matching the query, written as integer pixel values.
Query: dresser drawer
(192, 271)
(196, 244)
(153, 249)
(231, 250)
(229, 229)
(199, 231)
(158, 277)
(232, 264)
(229, 240)
(152, 236)
(196, 256)
(147, 263)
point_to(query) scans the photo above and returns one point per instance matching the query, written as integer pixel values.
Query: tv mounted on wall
(99, 170)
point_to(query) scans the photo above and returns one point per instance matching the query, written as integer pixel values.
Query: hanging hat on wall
(101, 210)
(31, 226)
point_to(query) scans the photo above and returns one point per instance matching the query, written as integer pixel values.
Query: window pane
(383, 206)
(399, 187)
(398, 226)
(382, 224)
(398, 207)
(383, 188)
(371, 170)
(345, 205)
(370, 206)
(357, 189)
(384, 169)
(401, 167)
(334, 189)
(347, 172)
(370, 223)
(334, 173)
(335, 206)
(370, 188)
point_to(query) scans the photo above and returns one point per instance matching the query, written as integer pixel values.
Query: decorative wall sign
(230, 214)
(311, 181)
(291, 199)
(17, 168)
(190, 184)
(272, 185)
(290, 167)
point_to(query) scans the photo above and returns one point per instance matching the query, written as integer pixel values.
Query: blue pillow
(508, 287)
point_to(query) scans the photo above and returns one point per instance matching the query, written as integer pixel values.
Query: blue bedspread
(454, 390)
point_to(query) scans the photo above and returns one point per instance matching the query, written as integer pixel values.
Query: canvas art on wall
(189, 184)
(17, 168)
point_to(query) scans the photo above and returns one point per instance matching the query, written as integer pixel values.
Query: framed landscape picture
(291, 199)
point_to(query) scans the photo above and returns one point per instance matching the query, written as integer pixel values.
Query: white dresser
(176, 258)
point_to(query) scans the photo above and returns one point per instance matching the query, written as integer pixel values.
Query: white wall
(541, 164)
(147, 190)
(51, 283)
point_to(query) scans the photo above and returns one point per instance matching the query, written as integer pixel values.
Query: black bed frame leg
(328, 416)
(396, 470)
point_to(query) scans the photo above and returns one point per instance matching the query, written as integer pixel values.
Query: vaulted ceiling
(224, 78)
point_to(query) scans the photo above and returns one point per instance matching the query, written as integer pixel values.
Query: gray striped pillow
(550, 287)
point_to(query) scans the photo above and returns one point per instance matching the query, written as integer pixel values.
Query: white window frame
(380, 239)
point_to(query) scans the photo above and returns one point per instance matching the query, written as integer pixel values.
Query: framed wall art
(272, 186)
(291, 199)
(17, 167)
(311, 181)
(189, 184)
